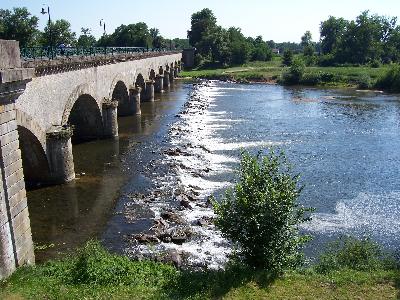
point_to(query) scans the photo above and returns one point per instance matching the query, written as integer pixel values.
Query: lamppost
(43, 12)
(102, 23)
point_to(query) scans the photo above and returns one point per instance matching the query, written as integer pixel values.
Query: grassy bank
(361, 76)
(93, 273)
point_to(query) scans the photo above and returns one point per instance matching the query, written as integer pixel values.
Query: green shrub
(261, 214)
(295, 73)
(364, 81)
(311, 79)
(327, 60)
(355, 254)
(287, 57)
(92, 264)
(390, 80)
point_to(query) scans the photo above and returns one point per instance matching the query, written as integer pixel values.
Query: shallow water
(344, 143)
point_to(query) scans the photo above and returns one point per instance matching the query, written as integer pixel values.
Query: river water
(157, 176)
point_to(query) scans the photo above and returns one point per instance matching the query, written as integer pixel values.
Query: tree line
(19, 24)
(369, 38)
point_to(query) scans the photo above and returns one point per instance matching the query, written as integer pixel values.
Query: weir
(46, 107)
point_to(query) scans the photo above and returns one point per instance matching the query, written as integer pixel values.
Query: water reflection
(65, 216)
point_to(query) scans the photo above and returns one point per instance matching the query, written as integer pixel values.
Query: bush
(295, 73)
(355, 254)
(391, 80)
(92, 264)
(261, 215)
(287, 57)
(327, 60)
(364, 81)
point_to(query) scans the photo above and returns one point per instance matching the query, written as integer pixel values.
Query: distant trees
(368, 39)
(58, 32)
(86, 39)
(20, 25)
(215, 44)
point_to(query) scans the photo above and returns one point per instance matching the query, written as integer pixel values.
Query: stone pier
(134, 96)
(166, 80)
(149, 92)
(16, 246)
(110, 118)
(159, 84)
(59, 154)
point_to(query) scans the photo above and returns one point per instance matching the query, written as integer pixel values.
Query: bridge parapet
(44, 66)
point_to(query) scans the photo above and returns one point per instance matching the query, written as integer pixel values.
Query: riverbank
(270, 72)
(94, 273)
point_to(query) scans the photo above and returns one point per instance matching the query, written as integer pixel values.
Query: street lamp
(43, 12)
(102, 23)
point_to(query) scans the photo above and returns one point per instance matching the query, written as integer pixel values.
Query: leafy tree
(261, 51)
(261, 214)
(287, 57)
(86, 39)
(306, 39)
(238, 46)
(331, 32)
(295, 73)
(132, 35)
(202, 23)
(19, 25)
(157, 40)
(58, 32)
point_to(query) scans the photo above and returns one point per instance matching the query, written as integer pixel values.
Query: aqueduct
(45, 108)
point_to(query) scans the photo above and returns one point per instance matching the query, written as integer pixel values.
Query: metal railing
(30, 53)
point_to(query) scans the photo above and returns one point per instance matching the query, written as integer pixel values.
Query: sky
(277, 20)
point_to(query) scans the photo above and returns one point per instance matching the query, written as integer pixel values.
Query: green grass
(94, 273)
(271, 71)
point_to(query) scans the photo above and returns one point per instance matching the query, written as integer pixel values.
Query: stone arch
(34, 161)
(116, 81)
(140, 82)
(85, 117)
(83, 89)
(120, 93)
(26, 121)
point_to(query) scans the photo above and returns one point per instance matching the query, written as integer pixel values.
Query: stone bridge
(49, 105)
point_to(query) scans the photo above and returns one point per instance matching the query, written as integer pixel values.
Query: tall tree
(58, 32)
(332, 31)
(306, 39)
(18, 25)
(86, 39)
(202, 23)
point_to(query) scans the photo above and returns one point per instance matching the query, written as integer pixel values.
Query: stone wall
(16, 247)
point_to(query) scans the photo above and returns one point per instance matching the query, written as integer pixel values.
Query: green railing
(57, 52)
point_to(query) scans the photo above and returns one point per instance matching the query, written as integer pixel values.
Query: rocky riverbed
(178, 207)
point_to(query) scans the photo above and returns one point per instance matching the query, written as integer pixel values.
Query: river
(185, 146)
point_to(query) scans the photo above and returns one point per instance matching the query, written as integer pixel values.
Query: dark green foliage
(391, 80)
(86, 39)
(295, 73)
(261, 214)
(364, 81)
(94, 265)
(18, 25)
(58, 32)
(215, 44)
(355, 254)
(287, 57)
(367, 39)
